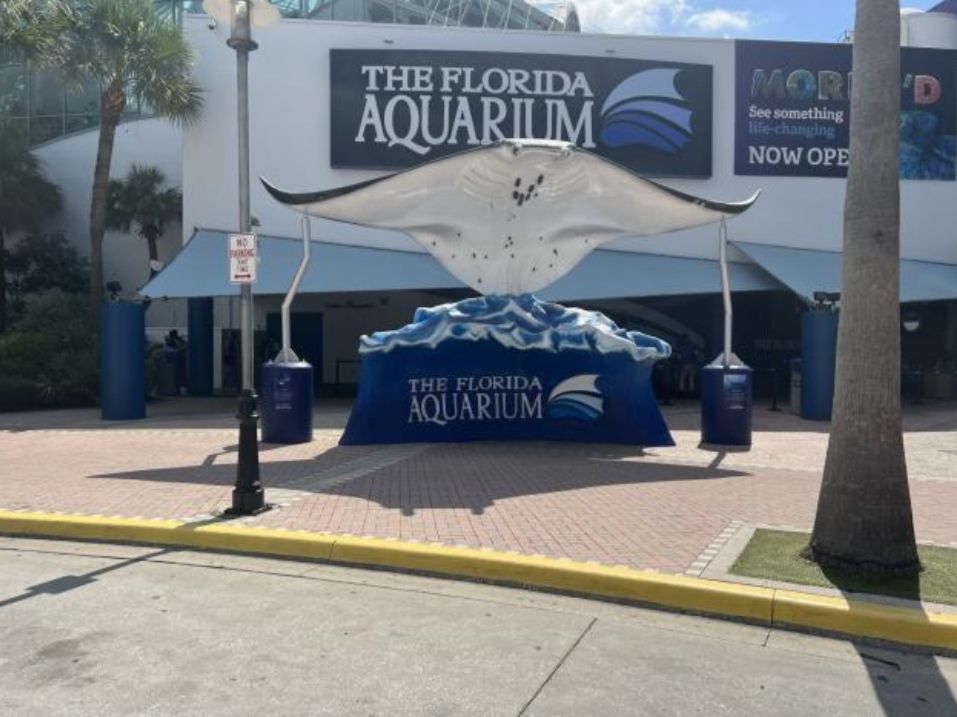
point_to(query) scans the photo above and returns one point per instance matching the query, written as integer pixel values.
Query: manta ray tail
(298, 199)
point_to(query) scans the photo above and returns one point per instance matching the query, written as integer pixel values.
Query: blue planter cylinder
(818, 360)
(726, 405)
(122, 361)
(286, 405)
(200, 347)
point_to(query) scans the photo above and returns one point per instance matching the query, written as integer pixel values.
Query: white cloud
(646, 17)
(719, 20)
(630, 17)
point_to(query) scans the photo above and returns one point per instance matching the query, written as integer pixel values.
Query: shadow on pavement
(273, 473)
(66, 583)
(476, 479)
(210, 460)
(907, 685)
(470, 476)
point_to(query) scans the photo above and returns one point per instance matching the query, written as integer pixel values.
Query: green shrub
(18, 394)
(39, 264)
(52, 349)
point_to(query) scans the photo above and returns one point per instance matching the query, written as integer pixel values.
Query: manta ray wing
(512, 217)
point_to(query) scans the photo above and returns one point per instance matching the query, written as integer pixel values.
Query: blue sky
(809, 20)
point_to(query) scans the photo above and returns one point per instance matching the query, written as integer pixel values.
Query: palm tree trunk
(864, 520)
(111, 110)
(153, 249)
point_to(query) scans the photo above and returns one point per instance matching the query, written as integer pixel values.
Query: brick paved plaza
(661, 509)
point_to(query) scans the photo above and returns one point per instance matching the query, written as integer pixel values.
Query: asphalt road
(104, 630)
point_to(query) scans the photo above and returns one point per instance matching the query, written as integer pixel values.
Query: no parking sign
(242, 258)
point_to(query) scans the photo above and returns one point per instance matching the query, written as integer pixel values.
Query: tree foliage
(50, 358)
(127, 48)
(27, 199)
(134, 55)
(30, 27)
(139, 201)
(45, 262)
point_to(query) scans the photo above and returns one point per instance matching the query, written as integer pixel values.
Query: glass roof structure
(559, 16)
(492, 14)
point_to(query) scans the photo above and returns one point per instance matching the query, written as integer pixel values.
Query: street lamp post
(242, 16)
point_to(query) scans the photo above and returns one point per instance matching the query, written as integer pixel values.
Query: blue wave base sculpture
(508, 368)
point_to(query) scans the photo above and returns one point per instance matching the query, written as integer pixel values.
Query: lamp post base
(249, 497)
(245, 505)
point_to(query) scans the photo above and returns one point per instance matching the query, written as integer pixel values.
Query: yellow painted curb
(742, 601)
(766, 606)
(911, 626)
(169, 532)
(706, 596)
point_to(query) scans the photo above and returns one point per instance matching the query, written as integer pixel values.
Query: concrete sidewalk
(666, 509)
(121, 631)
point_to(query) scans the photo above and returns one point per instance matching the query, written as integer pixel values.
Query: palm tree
(138, 200)
(27, 199)
(134, 56)
(29, 26)
(864, 520)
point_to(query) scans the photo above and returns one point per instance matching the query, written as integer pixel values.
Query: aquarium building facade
(338, 102)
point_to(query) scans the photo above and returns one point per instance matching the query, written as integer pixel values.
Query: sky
(808, 20)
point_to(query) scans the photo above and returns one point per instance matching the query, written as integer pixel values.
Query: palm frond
(125, 41)
(27, 197)
(139, 199)
(31, 27)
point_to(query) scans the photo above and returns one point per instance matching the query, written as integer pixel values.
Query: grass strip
(776, 555)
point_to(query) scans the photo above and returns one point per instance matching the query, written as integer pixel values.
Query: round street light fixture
(263, 14)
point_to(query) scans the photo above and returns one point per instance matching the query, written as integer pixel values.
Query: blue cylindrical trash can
(818, 361)
(726, 399)
(122, 361)
(286, 402)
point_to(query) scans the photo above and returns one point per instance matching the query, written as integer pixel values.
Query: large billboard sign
(792, 110)
(398, 108)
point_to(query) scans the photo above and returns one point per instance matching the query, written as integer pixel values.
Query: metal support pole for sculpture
(288, 383)
(725, 291)
(287, 355)
(726, 383)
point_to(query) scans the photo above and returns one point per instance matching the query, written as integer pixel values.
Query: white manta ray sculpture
(512, 217)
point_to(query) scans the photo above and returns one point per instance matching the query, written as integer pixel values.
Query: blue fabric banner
(498, 387)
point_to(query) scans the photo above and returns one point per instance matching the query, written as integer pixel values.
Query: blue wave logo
(577, 398)
(647, 110)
